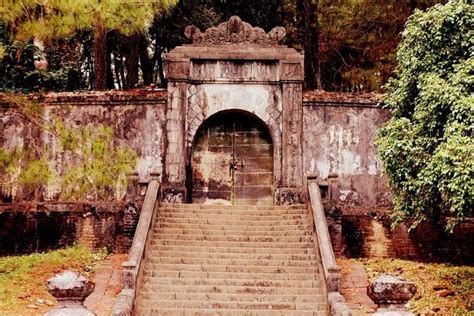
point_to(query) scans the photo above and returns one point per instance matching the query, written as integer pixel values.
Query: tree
(358, 41)
(28, 19)
(311, 31)
(427, 147)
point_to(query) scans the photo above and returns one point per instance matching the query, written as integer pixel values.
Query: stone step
(247, 250)
(232, 262)
(229, 227)
(229, 268)
(230, 275)
(230, 305)
(218, 221)
(212, 255)
(232, 217)
(237, 244)
(224, 312)
(159, 288)
(212, 232)
(233, 238)
(230, 284)
(223, 211)
(231, 207)
(233, 297)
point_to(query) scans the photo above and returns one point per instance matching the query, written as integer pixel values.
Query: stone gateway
(235, 67)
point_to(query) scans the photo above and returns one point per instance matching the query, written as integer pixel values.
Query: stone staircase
(231, 260)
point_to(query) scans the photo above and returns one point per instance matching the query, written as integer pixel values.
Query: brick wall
(368, 234)
(33, 227)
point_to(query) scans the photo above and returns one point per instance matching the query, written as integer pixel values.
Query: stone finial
(235, 31)
(70, 289)
(391, 293)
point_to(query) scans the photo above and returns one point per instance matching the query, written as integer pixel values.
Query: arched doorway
(232, 161)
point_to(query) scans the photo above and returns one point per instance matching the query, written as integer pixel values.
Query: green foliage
(51, 19)
(95, 167)
(8, 161)
(18, 71)
(36, 173)
(65, 27)
(100, 168)
(428, 146)
(359, 40)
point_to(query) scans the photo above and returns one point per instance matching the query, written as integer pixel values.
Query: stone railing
(332, 272)
(132, 268)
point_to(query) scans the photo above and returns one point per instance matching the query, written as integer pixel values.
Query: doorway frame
(259, 123)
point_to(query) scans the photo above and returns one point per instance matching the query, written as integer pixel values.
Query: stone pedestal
(70, 289)
(391, 293)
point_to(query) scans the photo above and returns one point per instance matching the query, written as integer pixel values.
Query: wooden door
(232, 161)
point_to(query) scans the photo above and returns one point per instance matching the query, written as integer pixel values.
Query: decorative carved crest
(235, 31)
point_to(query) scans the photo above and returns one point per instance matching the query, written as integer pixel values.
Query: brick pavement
(354, 287)
(108, 284)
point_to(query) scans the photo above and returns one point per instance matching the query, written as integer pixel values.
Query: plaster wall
(137, 121)
(338, 146)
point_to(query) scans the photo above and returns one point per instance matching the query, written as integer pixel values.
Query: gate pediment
(233, 32)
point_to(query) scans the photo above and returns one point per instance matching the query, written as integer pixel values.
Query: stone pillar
(173, 189)
(291, 190)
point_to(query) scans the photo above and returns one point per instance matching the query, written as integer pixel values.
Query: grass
(433, 282)
(22, 278)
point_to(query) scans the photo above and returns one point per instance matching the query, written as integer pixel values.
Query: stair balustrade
(133, 267)
(332, 272)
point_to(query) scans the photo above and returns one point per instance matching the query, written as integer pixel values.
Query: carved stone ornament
(235, 31)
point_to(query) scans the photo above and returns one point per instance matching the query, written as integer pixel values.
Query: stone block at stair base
(337, 305)
(392, 312)
(289, 196)
(391, 293)
(124, 303)
(173, 193)
(70, 289)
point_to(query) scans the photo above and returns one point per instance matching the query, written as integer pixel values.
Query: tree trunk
(146, 62)
(100, 52)
(110, 75)
(117, 67)
(159, 62)
(131, 61)
(311, 45)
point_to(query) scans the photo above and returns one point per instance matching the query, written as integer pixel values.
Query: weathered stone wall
(338, 133)
(338, 145)
(35, 227)
(137, 118)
